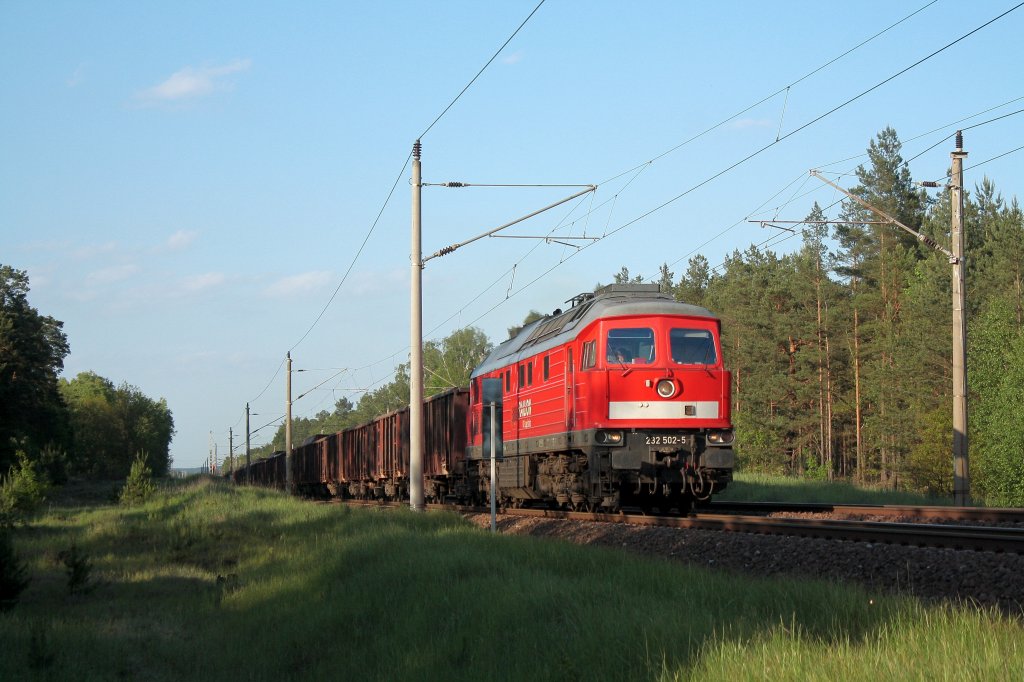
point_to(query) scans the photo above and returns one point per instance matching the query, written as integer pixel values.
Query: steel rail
(979, 538)
(993, 539)
(931, 512)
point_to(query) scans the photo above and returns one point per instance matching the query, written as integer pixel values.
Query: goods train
(619, 400)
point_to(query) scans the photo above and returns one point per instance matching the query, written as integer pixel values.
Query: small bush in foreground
(139, 486)
(78, 567)
(13, 574)
(22, 491)
(41, 654)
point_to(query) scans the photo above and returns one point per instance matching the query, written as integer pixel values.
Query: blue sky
(187, 183)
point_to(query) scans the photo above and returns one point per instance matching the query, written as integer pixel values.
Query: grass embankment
(748, 487)
(213, 582)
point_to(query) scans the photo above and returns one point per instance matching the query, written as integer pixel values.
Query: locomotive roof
(610, 301)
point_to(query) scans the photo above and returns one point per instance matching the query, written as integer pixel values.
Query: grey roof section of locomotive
(613, 300)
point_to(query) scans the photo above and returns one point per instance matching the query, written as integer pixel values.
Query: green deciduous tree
(996, 374)
(32, 352)
(112, 424)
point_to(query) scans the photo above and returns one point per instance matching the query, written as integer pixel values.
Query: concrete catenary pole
(961, 468)
(231, 450)
(416, 341)
(248, 468)
(288, 425)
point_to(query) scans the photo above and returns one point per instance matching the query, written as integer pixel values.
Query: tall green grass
(752, 487)
(209, 582)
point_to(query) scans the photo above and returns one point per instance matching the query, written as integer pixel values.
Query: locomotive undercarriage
(660, 478)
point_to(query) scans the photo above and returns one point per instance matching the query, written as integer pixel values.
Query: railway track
(982, 538)
(960, 537)
(930, 513)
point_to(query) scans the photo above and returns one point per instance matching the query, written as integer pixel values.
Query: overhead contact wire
(482, 69)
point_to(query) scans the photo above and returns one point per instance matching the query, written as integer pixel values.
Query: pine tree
(878, 260)
(693, 285)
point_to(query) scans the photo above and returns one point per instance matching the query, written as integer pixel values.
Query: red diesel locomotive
(622, 399)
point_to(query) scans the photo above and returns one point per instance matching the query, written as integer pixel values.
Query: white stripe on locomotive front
(704, 409)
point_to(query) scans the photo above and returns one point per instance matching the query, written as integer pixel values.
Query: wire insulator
(416, 149)
(959, 140)
(445, 251)
(456, 184)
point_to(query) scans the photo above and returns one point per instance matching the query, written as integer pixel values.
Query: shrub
(930, 466)
(139, 486)
(53, 461)
(78, 568)
(13, 574)
(41, 651)
(22, 490)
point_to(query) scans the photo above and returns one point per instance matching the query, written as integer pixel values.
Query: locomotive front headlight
(666, 388)
(720, 437)
(608, 437)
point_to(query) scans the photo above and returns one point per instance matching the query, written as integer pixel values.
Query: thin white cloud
(93, 250)
(744, 123)
(198, 283)
(304, 283)
(191, 82)
(82, 295)
(115, 273)
(513, 58)
(181, 239)
(379, 283)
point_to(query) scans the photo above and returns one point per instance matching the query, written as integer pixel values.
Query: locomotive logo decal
(525, 410)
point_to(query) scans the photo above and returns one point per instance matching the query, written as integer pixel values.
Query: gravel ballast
(960, 577)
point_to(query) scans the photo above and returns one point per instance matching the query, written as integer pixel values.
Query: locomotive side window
(630, 346)
(547, 367)
(588, 358)
(508, 381)
(529, 373)
(693, 347)
(522, 376)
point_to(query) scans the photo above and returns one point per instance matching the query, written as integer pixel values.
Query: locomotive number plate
(664, 440)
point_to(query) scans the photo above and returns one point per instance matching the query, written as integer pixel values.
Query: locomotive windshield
(693, 347)
(631, 346)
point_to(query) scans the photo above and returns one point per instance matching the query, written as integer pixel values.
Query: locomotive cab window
(588, 358)
(633, 346)
(693, 347)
